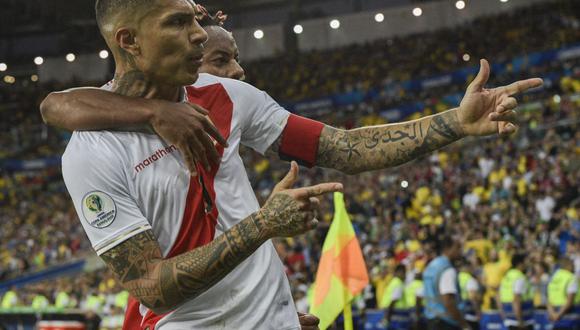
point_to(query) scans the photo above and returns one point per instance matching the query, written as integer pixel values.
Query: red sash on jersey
(197, 227)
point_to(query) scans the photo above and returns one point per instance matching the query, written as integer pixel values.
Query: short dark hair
(104, 9)
(518, 259)
(400, 269)
(565, 261)
(446, 242)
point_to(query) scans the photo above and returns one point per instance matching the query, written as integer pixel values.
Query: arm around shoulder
(90, 108)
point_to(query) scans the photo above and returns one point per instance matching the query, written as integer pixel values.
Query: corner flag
(342, 273)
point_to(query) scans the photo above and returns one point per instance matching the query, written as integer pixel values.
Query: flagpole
(347, 317)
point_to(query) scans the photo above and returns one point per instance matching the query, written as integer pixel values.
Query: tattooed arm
(164, 284)
(377, 147)
(481, 112)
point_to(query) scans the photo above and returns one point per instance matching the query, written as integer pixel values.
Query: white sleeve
(572, 287)
(448, 282)
(397, 293)
(262, 118)
(94, 175)
(472, 285)
(420, 292)
(519, 286)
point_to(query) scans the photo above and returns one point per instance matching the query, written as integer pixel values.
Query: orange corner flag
(342, 273)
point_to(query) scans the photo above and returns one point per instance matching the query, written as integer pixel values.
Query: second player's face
(171, 43)
(221, 55)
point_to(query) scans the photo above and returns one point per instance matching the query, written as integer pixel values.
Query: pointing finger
(482, 76)
(523, 85)
(319, 189)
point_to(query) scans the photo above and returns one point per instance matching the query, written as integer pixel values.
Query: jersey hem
(112, 242)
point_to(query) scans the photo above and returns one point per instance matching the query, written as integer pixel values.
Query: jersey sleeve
(93, 173)
(262, 119)
(472, 285)
(519, 286)
(572, 286)
(447, 282)
(420, 292)
(397, 294)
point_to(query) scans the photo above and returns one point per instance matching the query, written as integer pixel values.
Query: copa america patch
(99, 209)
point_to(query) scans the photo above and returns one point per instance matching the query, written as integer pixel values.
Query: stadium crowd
(500, 195)
(295, 77)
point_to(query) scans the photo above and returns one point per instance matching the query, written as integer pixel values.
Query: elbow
(47, 107)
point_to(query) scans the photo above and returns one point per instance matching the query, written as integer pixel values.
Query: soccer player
(171, 240)
(482, 112)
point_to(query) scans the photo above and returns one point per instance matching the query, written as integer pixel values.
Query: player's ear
(125, 38)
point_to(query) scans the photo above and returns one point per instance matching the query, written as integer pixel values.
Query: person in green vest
(470, 296)
(93, 302)
(414, 292)
(515, 296)
(397, 312)
(121, 299)
(10, 299)
(562, 293)
(63, 299)
(39, 300)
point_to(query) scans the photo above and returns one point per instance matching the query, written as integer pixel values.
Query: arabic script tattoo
(378, 147)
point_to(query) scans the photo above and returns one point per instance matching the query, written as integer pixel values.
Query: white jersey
(123, 183)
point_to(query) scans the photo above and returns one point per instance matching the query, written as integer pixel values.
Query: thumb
(481, 79)
(288, 181)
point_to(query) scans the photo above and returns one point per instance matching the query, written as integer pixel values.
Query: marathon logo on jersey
(99, 209)
(155, 157)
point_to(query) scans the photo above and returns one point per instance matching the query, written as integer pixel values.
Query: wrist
(150, 110)
(459, 127)
(260, 221)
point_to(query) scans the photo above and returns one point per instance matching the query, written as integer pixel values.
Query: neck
(132, 82)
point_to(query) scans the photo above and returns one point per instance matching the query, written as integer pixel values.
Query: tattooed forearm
(378, 147)
(163, 284)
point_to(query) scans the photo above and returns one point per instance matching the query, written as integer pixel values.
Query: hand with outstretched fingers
(491, 111)
(290, 212)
